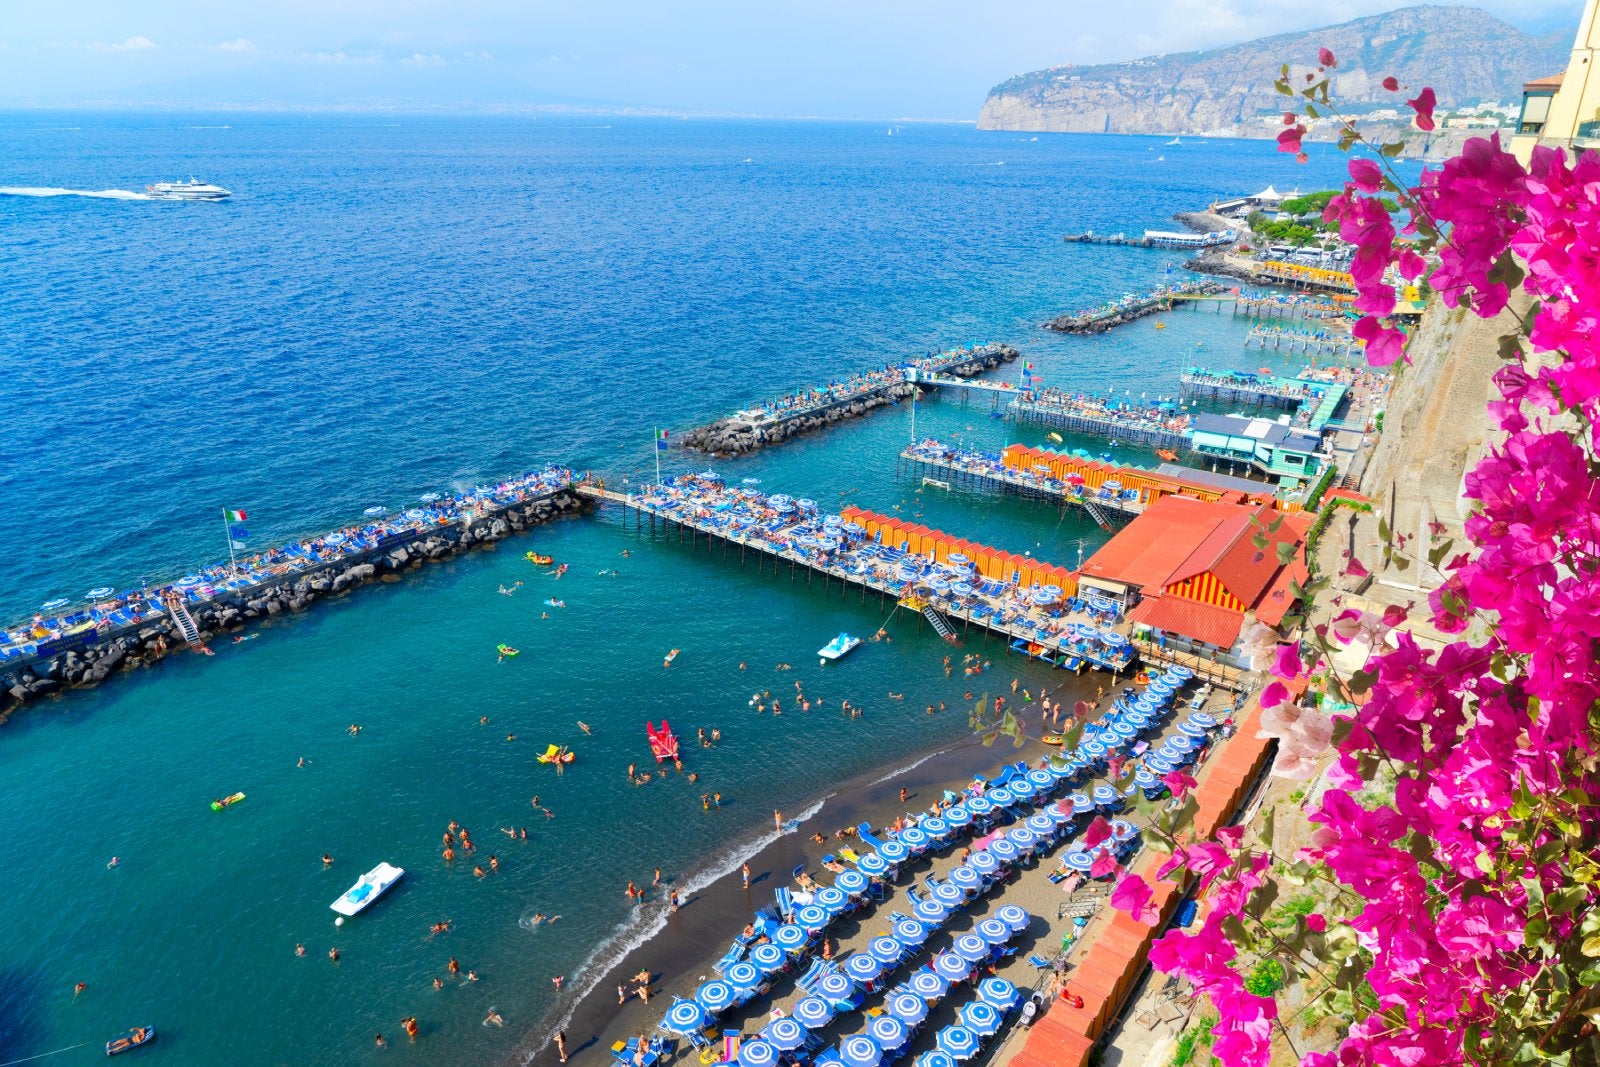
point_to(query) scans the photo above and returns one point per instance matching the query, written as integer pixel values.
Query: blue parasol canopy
(929, 985)
(886, 950)
(790, 937)
(851, 882)
(1041, 778)
(1094, 749)
(971, 947)
(1191, 728)
(1199, 718)
(977, 805)
(957, 815)
(1182, 743)
(908, 1008)
(101, 591)
(831, 898)
(768, 957)
(716, 996)
(757, 1053)
(936, 1058)
(1144, 779)
(965, 877)
(958, 1041)
(1003, 850)
(859, 1050)
(910, 932)
(981, 1018)
(785, 1034)
(811, 918)
(685, 1017)
(993, 931)
(949, 895)
(913, 838)
(1180, 671)
(951, 966)
(888, 1031)
(1079, 861)
(872, 864)
(1061, 813)
(1105, 794)
(742, 976)
(935, 827)
(1013, 916)
(813, 1012)
(999, 993)
(983, 862)
(863, 967)
(1081, 803)
(893, 852)
(1123, 830)
(1022, 837)
(835, 986)
(1040, 824)
(1001, 796)
(930, 911)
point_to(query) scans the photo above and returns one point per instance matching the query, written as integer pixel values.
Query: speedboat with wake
(193, 189)
(368, 887)
(839, 647)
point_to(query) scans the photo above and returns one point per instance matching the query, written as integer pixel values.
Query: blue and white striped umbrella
(1126, 731)
(1123, 830)
(1040, 824)
(1041, 778)
(851, 882)
(830, 898)
(859, 1050)
(949, 895)
(998, 992)
(1095, 749)
(686, 1017)
(951, 967)
(768, 957)
(965, 877)
(1182, 743)
(1013, 916)
(1204, 718)
(1062, 770)
(1024, 838)
(1144, 779)
(910, 932)
(813, 1012)
(863, 967)
(893, 852)
(872, 864)
(1081, 803)
(929, 985)
(930, 911)
(785, 1034)
(907, 1007)
(1003, 850)
(1180, 672)
(886, 950)
(835, 986)
(1137, 719)
(1157, 764)
(936, 1058)
(742, 976)
(889, 1031)
(980, 1018)
(757, 1053)
(957, 815)
(958, 1041)
(971, 947)
(982, 862)
(935, 827)
(811, 918)
(790, 937)
(1192, 728)
(1001, 796)
(913, 838)
(993, 931)
(1061, 813)
(716, 996)
(1105, 795)
(978, 806)
(1079, 861)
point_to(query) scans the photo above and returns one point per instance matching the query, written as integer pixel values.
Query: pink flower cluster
(1441, 887)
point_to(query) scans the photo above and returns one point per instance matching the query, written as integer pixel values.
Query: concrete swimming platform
(1131, 307)
(809, 409)
(947, 580)
(1161, 425)
(71, 644)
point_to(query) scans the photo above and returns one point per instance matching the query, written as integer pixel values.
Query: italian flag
(233, 516)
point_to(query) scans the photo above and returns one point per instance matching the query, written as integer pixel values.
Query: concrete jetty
(1155, 239)
(1281, 339)
(1160, 426)
(948, 581)
(811, 409)
(84, 644)
(1130, 308)
(1241, 385)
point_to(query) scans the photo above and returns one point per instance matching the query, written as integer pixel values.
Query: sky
(837, 58)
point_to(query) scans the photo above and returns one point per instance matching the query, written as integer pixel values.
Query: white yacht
(193, 189)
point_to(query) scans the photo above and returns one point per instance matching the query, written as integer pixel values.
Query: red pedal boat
(663, 745)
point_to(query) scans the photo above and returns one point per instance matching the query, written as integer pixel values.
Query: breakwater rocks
(746, 431)
(101, 655)
(1222, 266)
(1126, 310)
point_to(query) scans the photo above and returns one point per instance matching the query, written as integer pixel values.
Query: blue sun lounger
(864, 831)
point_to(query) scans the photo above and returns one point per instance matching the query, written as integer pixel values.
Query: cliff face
(1468, 56)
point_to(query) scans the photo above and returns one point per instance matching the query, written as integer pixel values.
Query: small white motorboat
(839, 647)
(368, 887)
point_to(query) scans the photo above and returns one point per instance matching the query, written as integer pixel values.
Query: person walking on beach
(672, 901)
(745, 870)
(561, 1045)
(777, 820)
(656, 881)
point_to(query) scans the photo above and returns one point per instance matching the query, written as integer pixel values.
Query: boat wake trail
(635, 931)
(98, 194)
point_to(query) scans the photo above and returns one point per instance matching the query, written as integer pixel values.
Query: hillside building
(1563, 110)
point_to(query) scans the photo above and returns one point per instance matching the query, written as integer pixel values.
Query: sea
(392, 305)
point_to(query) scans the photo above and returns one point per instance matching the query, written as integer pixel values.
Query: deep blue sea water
(389, 306)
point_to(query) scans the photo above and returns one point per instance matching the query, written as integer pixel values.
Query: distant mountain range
(1467, 55)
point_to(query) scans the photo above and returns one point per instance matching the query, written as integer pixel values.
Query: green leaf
(1564, 900)
(1312, 112)
(1393, 148)
(1267, 825)
(1507, 271)
(1384, 533)
(1440, 551)
(1233, 929)
(1286, 553)
(1347, 138)
(1510, 348)
(1283, 87)
(1259, 541)
(1591, 946)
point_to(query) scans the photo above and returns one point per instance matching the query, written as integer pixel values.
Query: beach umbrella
(1062, 770)
(949, 895)
(958, 1041)
(929, 985)
(886, 950)
(957, 815)
(1040, 824)
(951, 966)
(998, 992)
(1003, 850)
(1079, 861)
(908, 1008)
(913, 838)
(785, 1034)
(830, 898)
(1060, 814)
(1014, 916)
(790, 937)
(1158, 764)
(1001, 796)
(930, 912)
(1094, 749)
(428, 498)
(983, 862)
(893, 852)
(836, 987)
(1041, 779)
(977, 805)
(376, 509)
(1022, 837)
(686, 1017)
(872, 864)
(811, 918)
(1146, 780)
(757, 1053)
(935, 827)
(859, 1050)
(742, 976)
(1202, 718)
(1182, 743)
(889, 1031)
(910, 932)
(1191, 728)
(1125, 731)
(993, 931)
(715, 996)
(1105, 795)
(863, 967)
(1180, 672)
(813, 1012)
(1123, 830)
(981, 1018)
(61, 602)
(851, 882)
(102, 591)
(971, 947)
(966, 878)
(768, 957)
(935, 1058)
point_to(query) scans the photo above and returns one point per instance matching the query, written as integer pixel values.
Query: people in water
(584, 727)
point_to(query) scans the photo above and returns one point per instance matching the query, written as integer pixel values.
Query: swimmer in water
(584, 727)
(353, 730)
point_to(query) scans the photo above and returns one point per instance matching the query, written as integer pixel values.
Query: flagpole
(655, 444)
(233, 561)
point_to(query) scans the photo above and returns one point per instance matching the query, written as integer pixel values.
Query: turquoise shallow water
(385, 310)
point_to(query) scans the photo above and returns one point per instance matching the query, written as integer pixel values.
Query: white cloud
(417, 59)
(238, 44)
(132, 44)
(340, 57)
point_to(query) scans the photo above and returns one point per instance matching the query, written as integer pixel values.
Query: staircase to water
(941, 625)
(184, 622)
(1098, 514)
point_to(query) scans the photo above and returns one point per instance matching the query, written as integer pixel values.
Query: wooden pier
(966, 471)
(1283, 340)
(1078, 420)
(1221, 385)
